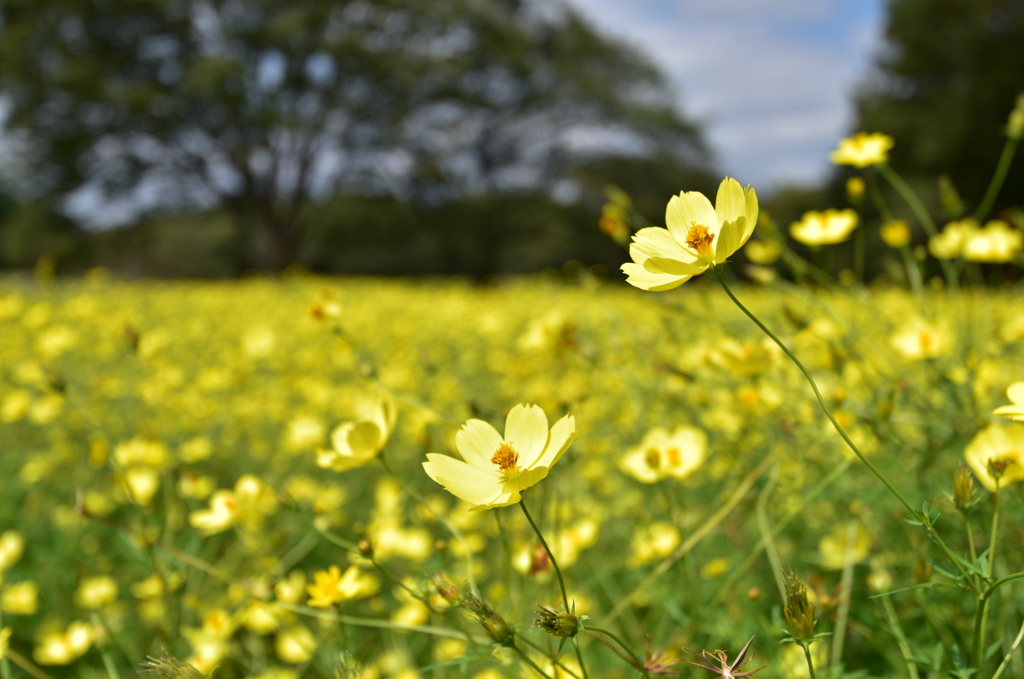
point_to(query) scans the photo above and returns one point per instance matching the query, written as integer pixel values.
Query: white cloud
(770, 81)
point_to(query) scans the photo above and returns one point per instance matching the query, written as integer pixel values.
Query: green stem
(558, 572)
(549, 654)
(1006, 660)
(901, 639)
(817, 394)
(619, 641)
(27, 665)
(845, 587)
(1002, 581)
(979, 634)
(970, 546)
(913, 271)
(767, 539)
(810, 663)
(858, 254)
(982, 613)
(530, 662)
(108, 662)
(997, 179)
(554, 563)
(828, 413)
(5, 667)
(921, 213)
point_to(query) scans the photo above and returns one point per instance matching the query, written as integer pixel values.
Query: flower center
(505, 456)
(653, 458)
(699, 238)
(674, 456)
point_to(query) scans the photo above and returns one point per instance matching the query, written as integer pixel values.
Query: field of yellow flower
(230, 478)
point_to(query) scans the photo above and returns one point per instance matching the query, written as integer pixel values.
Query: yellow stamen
(505, 456)
(699, 238)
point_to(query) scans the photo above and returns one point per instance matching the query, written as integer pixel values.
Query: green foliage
(945, 86)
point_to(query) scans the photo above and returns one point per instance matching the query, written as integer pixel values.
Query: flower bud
(365, 548)
(799, 612)
(963, 489)
(557, 623)
(855, 190)
(949, 197)
(446, 590)
(493, 624)
(895, 233)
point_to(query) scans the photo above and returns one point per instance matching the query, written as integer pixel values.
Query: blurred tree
(944, 87)
(260, 107)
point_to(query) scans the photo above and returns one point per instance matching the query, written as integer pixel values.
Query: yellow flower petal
(526, 427)
(476, 442)
(464, 481)
(562, 435)
(638, 276)
(687, 208)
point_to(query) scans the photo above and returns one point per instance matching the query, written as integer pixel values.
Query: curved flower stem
(828, 413)
(554, 563)
(907, 193)
(901, 638)
(1013, 648)
(619, 641)
(529, 661)
(997, 179)
(970, 545)
(558, 572)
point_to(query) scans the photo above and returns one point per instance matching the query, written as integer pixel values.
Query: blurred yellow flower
(330, 586)
(295, 645)
(1015, 411)
(996, 243)
(895, 233)
(12, 546)
(949, 244)
(698, 236)
(824, 228)
(834, 547)
(63, 648)
(919, 339)
(249, 502)
(661, 454)
(997, 452)
(355, 443)
(96, 592)
(762, 252)
(20, 598)
(655, 541)
(496, 470)
(862, 149)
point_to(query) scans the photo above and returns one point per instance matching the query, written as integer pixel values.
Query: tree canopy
(944, 86)
(262, 107)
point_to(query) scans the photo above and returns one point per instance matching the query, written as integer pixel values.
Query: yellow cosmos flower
(996, 456)
(824, 228)
(1016, 411)
(698, 237)
(355, 443)
(997, 243)
(497, 469)
(862, 149)
(330, 586)
(63, 648)
(662, 454)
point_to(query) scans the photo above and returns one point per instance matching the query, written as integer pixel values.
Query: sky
(770, 81)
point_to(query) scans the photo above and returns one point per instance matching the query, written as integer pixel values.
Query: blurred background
(189, 138)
